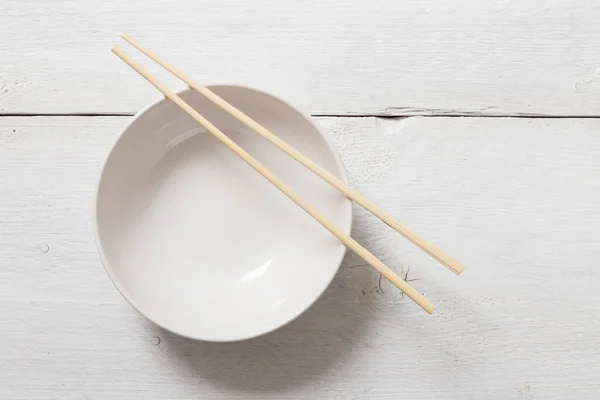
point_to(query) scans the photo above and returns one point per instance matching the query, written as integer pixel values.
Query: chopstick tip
(458, 269)
(117, 50)
(126, 37)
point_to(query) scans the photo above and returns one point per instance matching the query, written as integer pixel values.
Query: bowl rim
(123, 291)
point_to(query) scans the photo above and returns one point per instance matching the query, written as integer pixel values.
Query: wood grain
(337, 57)
(516, 199)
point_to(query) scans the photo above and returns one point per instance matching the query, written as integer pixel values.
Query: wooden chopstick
(352, 194)
(330, 226)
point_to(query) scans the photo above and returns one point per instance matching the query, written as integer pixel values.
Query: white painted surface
(332, 57)
(515, 199)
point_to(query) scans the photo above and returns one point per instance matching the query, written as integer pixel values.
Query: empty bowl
(199, 242)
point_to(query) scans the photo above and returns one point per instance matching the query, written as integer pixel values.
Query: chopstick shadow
(298, 354)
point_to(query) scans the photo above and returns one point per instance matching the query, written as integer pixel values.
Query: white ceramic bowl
(200, 243)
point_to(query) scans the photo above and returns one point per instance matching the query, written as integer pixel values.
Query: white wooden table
(475, 123)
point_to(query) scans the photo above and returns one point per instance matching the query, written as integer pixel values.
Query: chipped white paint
(493, 57)
(515, 199)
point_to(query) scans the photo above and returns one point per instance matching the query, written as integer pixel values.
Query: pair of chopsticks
(384, 270)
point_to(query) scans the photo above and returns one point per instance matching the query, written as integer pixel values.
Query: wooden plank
(337, 57)
(515, 199)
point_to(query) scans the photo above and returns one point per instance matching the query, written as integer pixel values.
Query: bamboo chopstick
(330, 226)
(352, 194)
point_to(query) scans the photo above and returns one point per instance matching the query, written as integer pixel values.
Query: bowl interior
(197, 240)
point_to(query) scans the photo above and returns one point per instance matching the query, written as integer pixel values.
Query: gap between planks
(351, 115)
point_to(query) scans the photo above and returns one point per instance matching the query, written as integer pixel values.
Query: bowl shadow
(295, 355)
